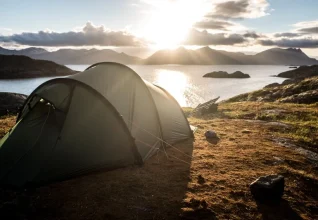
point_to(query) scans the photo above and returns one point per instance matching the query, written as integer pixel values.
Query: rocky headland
(20, 67)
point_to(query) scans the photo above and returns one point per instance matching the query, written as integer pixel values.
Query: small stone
(246, 132)
(201, 179)
(267, 188)
(210, 134)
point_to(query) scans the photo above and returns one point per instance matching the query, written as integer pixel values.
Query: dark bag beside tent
(102, 118)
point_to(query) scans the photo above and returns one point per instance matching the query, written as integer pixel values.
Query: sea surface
(184, 82)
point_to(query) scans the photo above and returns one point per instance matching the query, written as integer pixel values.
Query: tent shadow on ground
(277, 210)
(153, 191)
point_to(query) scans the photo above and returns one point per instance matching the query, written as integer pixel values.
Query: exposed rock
(246, 131)
(269, 187)
(222, 74)
(301, 72)
(278, 160)
(294, 91)
(288, 81)
(206, 108)
(302, 98)
(10, 103)
(310, 155)
(272, 85)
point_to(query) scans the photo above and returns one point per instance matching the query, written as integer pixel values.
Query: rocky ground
(255, 139)
(301, 87)
(293, 91)
(301, 73)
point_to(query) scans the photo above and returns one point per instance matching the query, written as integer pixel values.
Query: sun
(171, 21)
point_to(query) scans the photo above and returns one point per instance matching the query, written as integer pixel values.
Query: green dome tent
(102, 118)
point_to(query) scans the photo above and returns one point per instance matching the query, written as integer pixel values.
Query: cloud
(239, 9)
(251, 34)
(201, 38)
(90, 35)
(213, 24)
(312, 30)
(308, 27)
(301, 43)
(287, 34)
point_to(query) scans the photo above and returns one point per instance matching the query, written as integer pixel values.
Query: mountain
(290, 56)
(18, 67)
(25, 52)
(208, 56)
(71, 56)
(202, 56)
(181, 55)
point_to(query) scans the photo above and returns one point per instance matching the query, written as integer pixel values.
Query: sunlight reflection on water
(175, 82)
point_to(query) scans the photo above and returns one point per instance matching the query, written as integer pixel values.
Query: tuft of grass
(187, 111)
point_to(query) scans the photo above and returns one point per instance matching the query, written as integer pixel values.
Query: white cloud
(88, 35)
(238, 9)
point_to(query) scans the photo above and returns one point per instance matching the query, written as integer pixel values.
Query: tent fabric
(102, 118)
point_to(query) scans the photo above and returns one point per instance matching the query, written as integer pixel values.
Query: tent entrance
(31, 142)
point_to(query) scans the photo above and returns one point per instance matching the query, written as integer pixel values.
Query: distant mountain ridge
(208, 56)
(181, 55)
(71, 56)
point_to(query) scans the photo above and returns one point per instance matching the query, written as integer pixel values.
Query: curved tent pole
(173, 99)
(151, 97)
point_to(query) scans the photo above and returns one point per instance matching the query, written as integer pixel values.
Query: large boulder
(10, 103)
(206, 108)
(268, 188)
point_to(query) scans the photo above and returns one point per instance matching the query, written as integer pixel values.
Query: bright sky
(137, 25)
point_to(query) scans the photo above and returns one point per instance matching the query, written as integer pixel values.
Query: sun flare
(171, 21)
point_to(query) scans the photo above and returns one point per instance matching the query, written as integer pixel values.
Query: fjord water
(184, 82)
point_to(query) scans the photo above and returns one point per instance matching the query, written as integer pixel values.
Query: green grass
(302, 119)
(187, 111)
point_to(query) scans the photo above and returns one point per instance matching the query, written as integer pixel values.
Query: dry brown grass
(244, 152)
(6, 123)
(214, 186)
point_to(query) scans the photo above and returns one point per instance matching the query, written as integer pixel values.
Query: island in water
(223, 74)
